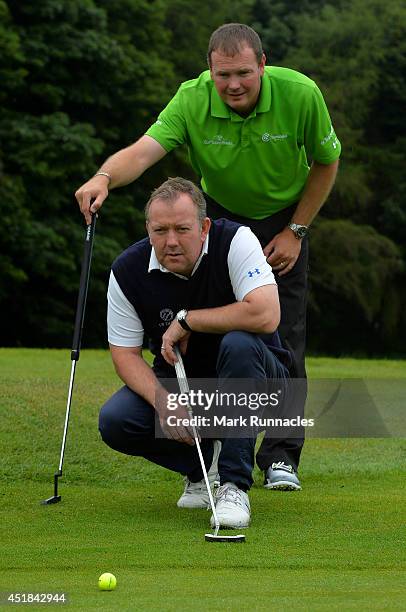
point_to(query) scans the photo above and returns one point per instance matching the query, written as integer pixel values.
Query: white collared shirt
(155, 265)
(247, 267)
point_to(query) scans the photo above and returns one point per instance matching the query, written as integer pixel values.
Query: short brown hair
(231, 37)
(171, 189)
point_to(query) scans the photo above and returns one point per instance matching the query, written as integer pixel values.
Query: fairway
(337, 545)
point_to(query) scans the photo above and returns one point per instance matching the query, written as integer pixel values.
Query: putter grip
(83, 286)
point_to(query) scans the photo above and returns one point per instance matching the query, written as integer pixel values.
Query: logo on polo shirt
(218, 140)
(273, 137)
(330, 136)
(252, 272)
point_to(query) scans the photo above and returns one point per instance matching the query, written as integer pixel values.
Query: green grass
(338, 544)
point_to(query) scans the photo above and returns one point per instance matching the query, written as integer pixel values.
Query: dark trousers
(292, 329)
(127, 423)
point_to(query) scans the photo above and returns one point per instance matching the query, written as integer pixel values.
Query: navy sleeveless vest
(157, 297)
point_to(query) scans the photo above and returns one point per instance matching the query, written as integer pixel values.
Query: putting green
(338, 544)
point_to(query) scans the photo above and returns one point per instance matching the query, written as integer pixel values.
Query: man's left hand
(282, 252)
(175, 334)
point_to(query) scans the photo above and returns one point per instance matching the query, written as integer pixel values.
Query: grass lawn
(337, 545)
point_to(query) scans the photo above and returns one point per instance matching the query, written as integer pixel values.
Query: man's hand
(95, 189)
(124, 167)
(175, 431)
(139, 376)
(175, 334)
(283, 250)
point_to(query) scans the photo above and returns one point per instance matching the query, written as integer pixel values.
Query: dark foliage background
(81, 79)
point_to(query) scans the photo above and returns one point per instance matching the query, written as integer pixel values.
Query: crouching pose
(206, 287)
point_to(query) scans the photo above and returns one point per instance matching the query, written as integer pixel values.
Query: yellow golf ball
(107, 582)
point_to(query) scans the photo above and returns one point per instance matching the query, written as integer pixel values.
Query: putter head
(234, 539)
(51, 500)
(55, 497)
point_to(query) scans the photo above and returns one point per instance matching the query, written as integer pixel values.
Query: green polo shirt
(257, 165)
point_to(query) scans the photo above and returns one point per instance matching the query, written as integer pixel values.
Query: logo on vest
(166, 314)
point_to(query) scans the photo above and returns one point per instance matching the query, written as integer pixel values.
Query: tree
(355, 51)
(81, 79)
(354, 301)
(80, 92)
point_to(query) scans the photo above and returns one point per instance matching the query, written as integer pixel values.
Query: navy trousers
(127, 423)
(292, 329)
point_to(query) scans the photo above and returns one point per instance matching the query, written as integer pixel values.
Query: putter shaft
(76, 342)
(184, 387)
(68, 405)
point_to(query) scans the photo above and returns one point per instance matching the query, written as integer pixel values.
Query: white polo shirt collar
(155, 265)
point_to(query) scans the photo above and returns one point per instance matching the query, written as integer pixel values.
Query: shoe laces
(230, 494)
(281, 465)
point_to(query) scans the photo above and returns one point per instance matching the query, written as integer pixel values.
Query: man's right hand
(176, 430)
(126, 165)
(95, 189)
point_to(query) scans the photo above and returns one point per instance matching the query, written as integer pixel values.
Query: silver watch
(300, 231)
(181, 318)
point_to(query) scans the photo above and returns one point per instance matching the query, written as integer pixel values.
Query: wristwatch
(300, 231)
(181, 318)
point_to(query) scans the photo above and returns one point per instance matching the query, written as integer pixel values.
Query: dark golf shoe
(281, 477)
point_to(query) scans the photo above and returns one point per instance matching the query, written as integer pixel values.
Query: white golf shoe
(232, 507)
(195, 494)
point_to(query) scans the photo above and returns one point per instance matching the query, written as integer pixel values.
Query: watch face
(301, 231)
(181, 318)
(181, 314)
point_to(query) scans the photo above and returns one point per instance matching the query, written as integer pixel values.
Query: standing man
(225, 326)
(252, 130)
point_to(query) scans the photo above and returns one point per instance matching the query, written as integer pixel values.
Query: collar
(219, 109)
(265, 95)
(155, 265)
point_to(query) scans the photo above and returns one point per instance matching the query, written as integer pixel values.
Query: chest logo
(218, 140)
(273, 137)
(166, 315)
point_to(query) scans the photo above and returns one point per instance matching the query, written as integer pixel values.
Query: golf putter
(77, 337)
(184, 388)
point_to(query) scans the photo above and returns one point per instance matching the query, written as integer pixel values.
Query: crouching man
(206, 287)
